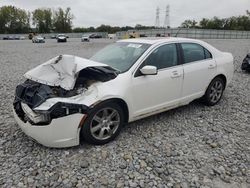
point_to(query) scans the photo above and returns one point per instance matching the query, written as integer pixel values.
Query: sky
(131, 12)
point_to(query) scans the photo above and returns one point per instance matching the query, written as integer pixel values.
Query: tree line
(45, 20)
(110, 29)
(241, 22)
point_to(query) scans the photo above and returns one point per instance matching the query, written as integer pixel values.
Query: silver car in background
(38, 39)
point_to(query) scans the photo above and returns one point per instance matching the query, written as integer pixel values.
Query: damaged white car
(68, 97)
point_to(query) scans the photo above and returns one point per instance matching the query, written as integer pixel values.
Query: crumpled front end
(66, 83)
(30, 95)
(57, 126)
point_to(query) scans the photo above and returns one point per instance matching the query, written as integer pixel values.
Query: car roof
(155, 40)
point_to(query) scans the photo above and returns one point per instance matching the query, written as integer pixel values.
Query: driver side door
(155, 93)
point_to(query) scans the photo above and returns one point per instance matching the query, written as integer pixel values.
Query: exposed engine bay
(34, 91)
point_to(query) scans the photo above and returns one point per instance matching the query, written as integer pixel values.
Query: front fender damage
(69, 82)
(31, 95)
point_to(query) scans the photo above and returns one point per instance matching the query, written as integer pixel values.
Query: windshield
(120, 55)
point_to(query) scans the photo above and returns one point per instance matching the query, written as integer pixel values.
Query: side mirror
(148, 70)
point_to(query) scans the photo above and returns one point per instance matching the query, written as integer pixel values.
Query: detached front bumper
(61, 132)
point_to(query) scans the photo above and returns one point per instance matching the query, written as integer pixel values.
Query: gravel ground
(192, 146)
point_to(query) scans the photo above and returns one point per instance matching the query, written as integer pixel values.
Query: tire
(214, 92)
(103, 123)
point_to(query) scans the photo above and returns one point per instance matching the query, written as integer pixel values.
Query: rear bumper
(61, 132)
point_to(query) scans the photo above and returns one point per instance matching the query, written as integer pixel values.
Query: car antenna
(178, 31)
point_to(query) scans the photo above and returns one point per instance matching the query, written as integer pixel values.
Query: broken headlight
(34, 117)
(60, 109)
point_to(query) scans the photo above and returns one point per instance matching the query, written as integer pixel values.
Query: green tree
(126, 28)
(189, 24)
(104, 28)
(42, 19)
(232, 23)
(248, 12)
(79, 30)
(243, 23)
(14, 20)
(216, 23)
(62, 20)
(204, 23)
(139, 26)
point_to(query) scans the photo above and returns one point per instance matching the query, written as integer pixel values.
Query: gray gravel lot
(192, 146)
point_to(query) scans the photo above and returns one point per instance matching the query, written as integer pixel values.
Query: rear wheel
(214, 92)
(103, 123)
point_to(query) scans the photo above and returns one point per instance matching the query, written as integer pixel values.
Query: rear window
(194, 52)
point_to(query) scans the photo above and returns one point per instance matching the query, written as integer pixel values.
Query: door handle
(175, 74)
(211, 66)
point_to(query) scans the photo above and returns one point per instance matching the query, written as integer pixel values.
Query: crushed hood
(61, 71)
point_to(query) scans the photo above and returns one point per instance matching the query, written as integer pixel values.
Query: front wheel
(214, 92)
(103, 123)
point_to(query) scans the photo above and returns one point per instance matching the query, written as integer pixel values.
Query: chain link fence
(176, 32)
(187, 33)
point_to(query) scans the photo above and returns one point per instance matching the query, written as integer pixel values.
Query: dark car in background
(61, 38)
(246, 63)
(95, 36)
(6, 38)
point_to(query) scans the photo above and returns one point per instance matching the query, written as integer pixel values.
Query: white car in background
(85, 38)
(38, 39)
(68, 97)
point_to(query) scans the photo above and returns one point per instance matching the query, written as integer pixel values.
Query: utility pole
(157, 19)
(167, 18)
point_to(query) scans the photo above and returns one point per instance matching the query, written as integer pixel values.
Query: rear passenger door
(199, 69)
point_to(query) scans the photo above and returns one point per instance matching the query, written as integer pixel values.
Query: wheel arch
(121, 103)
(118, 101)
(223, 77)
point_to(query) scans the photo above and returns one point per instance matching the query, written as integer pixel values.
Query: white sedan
(85, 38)
(38, 39)
(68, 97)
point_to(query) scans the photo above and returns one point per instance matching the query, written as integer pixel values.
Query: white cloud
(131, 12)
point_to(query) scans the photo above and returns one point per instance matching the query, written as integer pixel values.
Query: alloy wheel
(105, 123)
(216, 91)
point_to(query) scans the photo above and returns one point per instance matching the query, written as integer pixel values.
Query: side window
(163, 57)
(194, 52)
